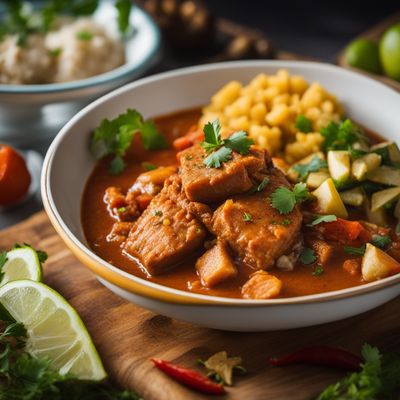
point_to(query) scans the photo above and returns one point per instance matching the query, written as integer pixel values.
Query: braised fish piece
(163, 235)
(211, 185)
(253, 229)
(215, 265)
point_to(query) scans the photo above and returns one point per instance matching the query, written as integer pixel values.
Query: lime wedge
(22, 263)
(54, 329)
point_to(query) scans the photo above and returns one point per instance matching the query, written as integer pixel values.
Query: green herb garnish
(42, 255)
(148, 166)
(314, 165)
(114, 137)
(3, 260)
(284, 199)
(286, 221)
(303, 124)
(247, 217)
(322, 218)
(263, 184)
(157, 213)
(341, 136)
(318, 271)
(379, 378)
(55, 52)
(219, 150)
(307, 256)
(124, 8)
(84, 36)
(355, 251)
(381, 241)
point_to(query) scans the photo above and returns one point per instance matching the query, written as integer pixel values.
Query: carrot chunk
(345, 231)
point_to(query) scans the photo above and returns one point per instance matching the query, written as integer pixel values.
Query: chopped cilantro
(286, 221)
(247, 217)
(303, 124)
(341, 136)
(55, 52)
(356, 153)
(219, 150)
(323, 218)
(148, 166)
(284, 199)
(157, 213)
(113, 137)
(215, 159)
(314, 165)
(307, 256)
(381, 241)
(85, 36)
(318, 271)
(355, 251)
(121, 209)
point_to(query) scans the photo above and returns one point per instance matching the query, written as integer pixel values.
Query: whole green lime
(364, 54)
(389, 49)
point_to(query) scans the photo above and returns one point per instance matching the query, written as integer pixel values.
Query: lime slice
(390, 52)
(22, 263)
(54, 328)
(364, 54)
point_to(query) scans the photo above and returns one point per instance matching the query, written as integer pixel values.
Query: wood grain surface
(127, 336)
(374, 33)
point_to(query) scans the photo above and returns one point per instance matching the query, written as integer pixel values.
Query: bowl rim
(116, 74)
(145, 288)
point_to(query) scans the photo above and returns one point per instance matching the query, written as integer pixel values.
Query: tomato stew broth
(97, 224)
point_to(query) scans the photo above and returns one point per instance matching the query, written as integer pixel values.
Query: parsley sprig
(114, 137)
(220, 150)
(379, 378)
(284, 199)
(303, 124)
(314, 165)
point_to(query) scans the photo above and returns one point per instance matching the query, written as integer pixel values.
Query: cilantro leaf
(247, 217)
(341, 136)
(318, 271)
(284, 199)
(239, 142)
(85, 36)
(381, 241)
(314, 165)
(215, 159)
(355, 251)
(148, 166)
(303, 124)
(307, 256)
(323, 218)
(114, 137)
(212, 136)
(124, 10)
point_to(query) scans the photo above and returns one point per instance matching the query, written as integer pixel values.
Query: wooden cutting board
(127, 336)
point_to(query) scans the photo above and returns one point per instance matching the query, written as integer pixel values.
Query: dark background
(314, 28)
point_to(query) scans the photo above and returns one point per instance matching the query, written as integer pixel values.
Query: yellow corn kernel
(226, 95)
(258, 112)
(278, 114)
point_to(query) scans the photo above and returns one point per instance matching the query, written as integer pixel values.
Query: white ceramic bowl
(68, 164)
(30, 114)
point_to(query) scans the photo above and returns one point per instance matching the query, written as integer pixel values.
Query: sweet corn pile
(267, 108)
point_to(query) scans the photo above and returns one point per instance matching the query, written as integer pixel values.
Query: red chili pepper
(189, 377)
(321, 355)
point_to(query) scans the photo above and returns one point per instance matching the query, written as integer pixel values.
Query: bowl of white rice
(53, 75)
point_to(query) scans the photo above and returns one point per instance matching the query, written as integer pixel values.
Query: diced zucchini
(383, 197)
(329, 201)
(389, 150)
(364, 165)
(378, 217)
(353, 197)
(385, 175)
(376, 264)
(339, 165)
(293, 175)
(315, 179)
